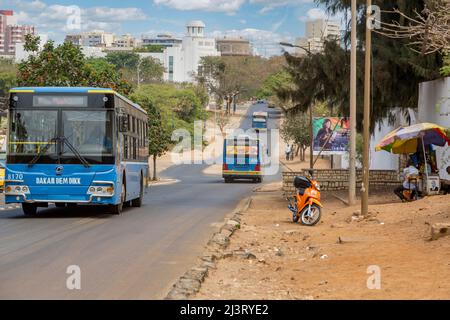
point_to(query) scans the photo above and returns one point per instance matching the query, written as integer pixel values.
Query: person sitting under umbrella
(409, 172)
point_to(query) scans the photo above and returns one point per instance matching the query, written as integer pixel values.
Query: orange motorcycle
(306, 202)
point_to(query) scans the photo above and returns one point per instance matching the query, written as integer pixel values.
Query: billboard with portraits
(331, 135)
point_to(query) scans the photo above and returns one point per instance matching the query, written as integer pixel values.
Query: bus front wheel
(29, 209)
(117, 208)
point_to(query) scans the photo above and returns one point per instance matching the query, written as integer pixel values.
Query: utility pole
(311, 141)
(353, 66)
(367, 98)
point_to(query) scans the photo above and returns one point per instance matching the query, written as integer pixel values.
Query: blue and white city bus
(259, 121)
(72, 146)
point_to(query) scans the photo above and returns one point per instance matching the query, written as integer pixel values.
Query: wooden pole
(353, 66)
(367, 99)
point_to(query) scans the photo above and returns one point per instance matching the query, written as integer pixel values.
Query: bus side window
(125, 147)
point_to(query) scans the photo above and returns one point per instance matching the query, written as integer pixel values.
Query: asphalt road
(137, 255)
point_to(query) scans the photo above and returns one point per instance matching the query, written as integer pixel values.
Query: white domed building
(182, 62)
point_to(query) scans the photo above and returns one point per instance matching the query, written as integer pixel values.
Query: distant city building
(163, 40)
(125, 41)
(75, 39)
(92, 39)
(322, 28)
(11, 33)
(180, 57)
(317, 31)
(182, 62)
(234, 47)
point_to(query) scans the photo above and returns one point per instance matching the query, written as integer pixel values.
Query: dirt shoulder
(330, 261)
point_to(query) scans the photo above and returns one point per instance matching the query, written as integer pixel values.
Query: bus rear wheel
(29, 209)
(137, 203)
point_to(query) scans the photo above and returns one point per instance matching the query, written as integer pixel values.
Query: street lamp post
(367, 96)
(311, 142)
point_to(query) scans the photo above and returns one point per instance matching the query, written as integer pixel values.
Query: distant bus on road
(259, 120)
(242, 159)
(72, 146)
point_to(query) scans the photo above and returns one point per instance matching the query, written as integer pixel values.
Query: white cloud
(115, 14)
(227, 6)
(53, 19)
(269, 5)
(264, 42)
(316, 13)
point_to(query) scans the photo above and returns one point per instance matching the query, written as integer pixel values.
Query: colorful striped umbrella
(407, 139)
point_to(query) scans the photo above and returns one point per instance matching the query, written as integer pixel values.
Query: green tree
(150, 48)
(169, 107)
(8, 77)
(179, 105)
(296, 129)
(65, 65)
(445, 70)
(123, 60)
(228, 77)
(136, 69)
(158, 134)
(273, 83)
(397, 70)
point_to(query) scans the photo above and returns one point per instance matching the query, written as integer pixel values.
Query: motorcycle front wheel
(311, 218)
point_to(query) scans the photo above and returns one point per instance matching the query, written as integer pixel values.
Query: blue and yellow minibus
(242, 159)
(75, 146)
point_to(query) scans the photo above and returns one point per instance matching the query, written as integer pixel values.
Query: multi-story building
(180, 58)
(182, 62)
(125, 41)
(321, 28)
(234, 47)
(163, 40)
(75, 39)
(92, 39)
(11, 33)
(317, 31)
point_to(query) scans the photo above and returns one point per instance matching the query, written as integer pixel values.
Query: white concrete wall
(381, 160)
(434, 107)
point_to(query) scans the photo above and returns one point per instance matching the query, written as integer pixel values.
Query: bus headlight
(16, 190)
(101, 191)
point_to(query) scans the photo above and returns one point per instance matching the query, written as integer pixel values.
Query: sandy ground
(297, 262)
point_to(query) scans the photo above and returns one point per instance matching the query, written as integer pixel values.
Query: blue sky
(264, 22)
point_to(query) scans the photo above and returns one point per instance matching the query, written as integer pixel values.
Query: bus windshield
(90, 133)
